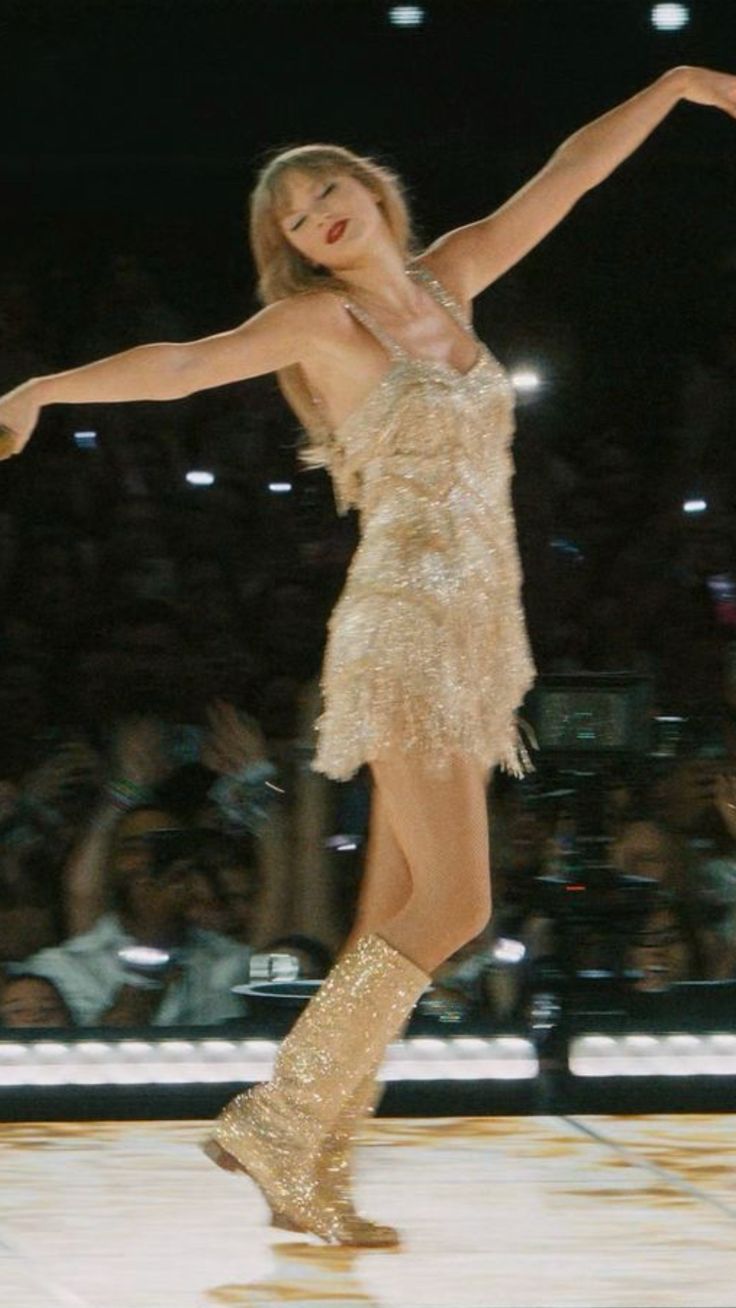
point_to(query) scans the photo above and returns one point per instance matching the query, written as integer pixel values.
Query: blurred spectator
(225, 885)
(48, 802)
(672, 941)
(105, 985)
(31, 1001)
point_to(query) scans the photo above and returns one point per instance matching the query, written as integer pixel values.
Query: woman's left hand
(725, 799)
(704, 86)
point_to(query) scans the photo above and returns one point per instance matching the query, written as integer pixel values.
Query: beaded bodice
(453, 424)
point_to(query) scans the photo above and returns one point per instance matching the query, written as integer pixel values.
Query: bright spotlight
(279, 487)
(200, 478)
(670, 17)
(695, 506)
(406, 15)
(526, 379)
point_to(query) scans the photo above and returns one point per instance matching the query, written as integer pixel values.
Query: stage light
(526, 379)
(200, 478)
(670, 17)
(280, 487)
(406, 15)
(695, 506)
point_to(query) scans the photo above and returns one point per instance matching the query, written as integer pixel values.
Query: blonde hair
(283, 271)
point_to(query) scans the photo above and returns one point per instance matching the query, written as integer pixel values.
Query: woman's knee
(456, 916)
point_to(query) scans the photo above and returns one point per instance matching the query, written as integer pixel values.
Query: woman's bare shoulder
(321, 314)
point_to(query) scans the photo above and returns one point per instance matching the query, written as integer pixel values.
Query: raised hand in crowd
(140, 757)
(48, 798)
(235, 740)
(139, 761)
(64, 772)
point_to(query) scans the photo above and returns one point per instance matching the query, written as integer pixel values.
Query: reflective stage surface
(520, 1212)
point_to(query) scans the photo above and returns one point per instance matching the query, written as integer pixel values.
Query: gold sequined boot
(276, 1132)
(333, 1167)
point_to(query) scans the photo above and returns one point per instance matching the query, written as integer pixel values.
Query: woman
(427, 654)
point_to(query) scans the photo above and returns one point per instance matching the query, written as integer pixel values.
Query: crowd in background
(159, 683)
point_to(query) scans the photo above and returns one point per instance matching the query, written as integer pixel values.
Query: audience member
(31, 1001)
(108, 974)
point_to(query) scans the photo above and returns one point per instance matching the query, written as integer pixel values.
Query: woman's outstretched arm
(278, 336)
(473, 256)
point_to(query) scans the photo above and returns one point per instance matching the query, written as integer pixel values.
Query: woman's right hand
(19, 412)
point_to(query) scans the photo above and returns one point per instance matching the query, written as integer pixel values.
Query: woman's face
(328, 217)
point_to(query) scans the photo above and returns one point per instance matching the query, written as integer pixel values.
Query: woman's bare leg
(441, 825)
(386, 882)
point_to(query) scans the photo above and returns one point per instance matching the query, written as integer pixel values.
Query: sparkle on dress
(427, 649)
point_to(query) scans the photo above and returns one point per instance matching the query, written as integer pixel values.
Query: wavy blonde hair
(282, 270)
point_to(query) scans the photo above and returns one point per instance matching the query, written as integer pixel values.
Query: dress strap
(440, 293)
(392, 347)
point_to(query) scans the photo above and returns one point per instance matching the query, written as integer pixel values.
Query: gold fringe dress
(427, 649)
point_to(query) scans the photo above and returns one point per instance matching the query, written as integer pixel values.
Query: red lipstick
(335, 231)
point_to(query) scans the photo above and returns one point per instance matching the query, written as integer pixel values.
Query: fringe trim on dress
(516, 759)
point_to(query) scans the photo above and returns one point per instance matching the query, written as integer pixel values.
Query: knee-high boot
(276, 1132)
(334, 1170)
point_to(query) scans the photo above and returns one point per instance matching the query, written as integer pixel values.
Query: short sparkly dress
(427, 649)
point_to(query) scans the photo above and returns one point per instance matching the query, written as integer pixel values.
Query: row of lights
(187, 1062)
(468, 1058)
(677, 1054)
(663, 17)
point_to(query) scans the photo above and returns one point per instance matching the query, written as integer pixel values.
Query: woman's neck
(380, 281)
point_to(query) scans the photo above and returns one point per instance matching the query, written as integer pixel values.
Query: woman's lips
(335, 231)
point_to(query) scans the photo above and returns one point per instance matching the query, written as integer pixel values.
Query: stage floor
(496, 1213)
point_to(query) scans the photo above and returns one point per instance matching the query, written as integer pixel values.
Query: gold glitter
(277, 1131)
(427, 648)
(333, 1164)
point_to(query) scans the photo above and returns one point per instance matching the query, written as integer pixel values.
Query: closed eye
(329, 187)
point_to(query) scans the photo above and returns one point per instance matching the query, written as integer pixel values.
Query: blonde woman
(427, 655)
